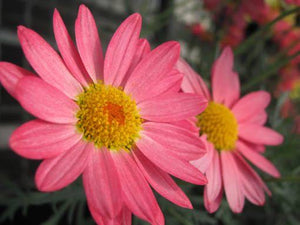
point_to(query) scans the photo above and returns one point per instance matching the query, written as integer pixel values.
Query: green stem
(271, 71)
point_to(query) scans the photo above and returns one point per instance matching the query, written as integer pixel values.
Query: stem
(270, 72)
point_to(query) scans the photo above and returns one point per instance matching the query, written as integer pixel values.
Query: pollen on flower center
(108, 117)
(220, 126)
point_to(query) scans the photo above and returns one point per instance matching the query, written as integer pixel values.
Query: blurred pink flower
(112, 119)
(293, 2)
(235, 130)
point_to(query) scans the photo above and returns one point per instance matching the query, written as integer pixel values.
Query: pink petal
(232, 182)
(47, 63)
(39, 140)
(143, 80)
(45, 101)
(259, 135)
(260, 118)
(10, 75)
(121, 50)
(212, 206)
(56, 173)
(100, 178)
(142, 49)
(161, 181)
(225, 82)
(251, 105)
(177, 167)
(251, 184)
(177, 141)
(124, 217)
(68, 50)
(170, 83)
(137, 194)
(172, 107)
(89, 44)
(204, 162)
(187, 124)
(257, 159)
(214, 177)
(192, 82)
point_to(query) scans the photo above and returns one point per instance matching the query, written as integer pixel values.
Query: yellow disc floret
(108, 117)
(220, 126)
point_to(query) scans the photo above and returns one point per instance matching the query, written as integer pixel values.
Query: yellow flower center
(108, 117)
(220, 126)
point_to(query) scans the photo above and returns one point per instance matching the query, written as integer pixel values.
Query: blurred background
(265, 36)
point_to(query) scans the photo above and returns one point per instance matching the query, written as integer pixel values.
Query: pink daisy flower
(235, 130)
(112, 119)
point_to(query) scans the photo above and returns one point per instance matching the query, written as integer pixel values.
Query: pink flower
(235, 130)
(293, 2)
(117, 120)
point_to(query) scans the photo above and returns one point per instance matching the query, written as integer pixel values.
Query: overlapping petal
(121, 50)
(89, 44)
(43, 100)
(172, 107)
(161, 181)
(152, 68)
(10, 75)
(68, 50)
(101, 178)
(56, 173)
(225, 82)
(136, 192)
(38, 139)
(232, 181)
(47, 63)
(192, 82)
(180, 168)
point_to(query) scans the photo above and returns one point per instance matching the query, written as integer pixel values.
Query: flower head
(234, 130)
(119, 120)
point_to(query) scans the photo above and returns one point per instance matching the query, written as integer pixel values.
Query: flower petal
(225, 82)
(259, 135)
(192, 82)
(10, 75)
(170, 83)
(121, 50)
(252, 188)
(45, 101)
(232, 182)
(89, 44)
(137, 194)
(161, 181)
(68, 50)
(38, 139)
(101, 178)
(47, 63)
(212, 206)
(142, 49)
(204, 162)
(260, 118)
(257, 159)
(56, 173)
(250, 105)
(177, 141)
(124, 217)
(177, 167)
(172, 107)
(143, 80)
(214, 177)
